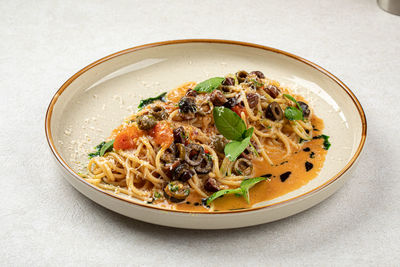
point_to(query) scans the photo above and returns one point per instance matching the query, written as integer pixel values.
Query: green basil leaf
(150, 100)
(234, 148)
(209, 85)
(106, 148)
(292, 113)
(293, 99)
(248, 132)
(249, 183)
(97, 152)
(326, 143)
(228, 123)
(223, 192)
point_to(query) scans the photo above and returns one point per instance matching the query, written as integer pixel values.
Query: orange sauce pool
(312, 152)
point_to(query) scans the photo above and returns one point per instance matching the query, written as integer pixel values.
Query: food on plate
(221, 144)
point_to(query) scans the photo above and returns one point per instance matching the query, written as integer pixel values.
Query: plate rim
(307, 194)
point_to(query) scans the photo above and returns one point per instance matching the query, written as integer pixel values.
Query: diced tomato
(127, 138)
(239, 109)
(162, 133)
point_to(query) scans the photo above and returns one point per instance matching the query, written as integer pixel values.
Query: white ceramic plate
(97, 98)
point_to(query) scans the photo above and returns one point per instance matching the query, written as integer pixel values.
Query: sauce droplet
(309, 166)
(284, 176)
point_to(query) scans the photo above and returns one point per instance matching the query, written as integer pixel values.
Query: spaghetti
(174, 147)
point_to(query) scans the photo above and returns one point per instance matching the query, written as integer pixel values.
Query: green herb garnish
(293, 113)
(150, 100)
(326, 143)
(101, 149)
(157, 194)
(232, 127)
(243, 190)
(209, 85)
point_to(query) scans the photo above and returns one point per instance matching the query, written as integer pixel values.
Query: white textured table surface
(44, 221)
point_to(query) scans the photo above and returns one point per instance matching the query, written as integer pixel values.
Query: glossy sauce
(311, 152)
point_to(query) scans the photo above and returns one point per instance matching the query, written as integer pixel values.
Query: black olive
(274, 112)
(252, 99)
(205, 165)
(219, 142)
(146, 122)
(243, 167)
(217, 98)
(228, 81)
(176, 191)
(259, 74)
(159, 113)
(169, 154)
(183, 172)
(211, 185)
(231, 102)
(305, 108)
(272, 90)
(179, 135)
(191, 92)
(241, 76)
(194, 154)
(187, 105)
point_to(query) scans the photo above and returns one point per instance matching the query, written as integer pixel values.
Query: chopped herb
(157, 194)
(326, 143)
(150, 100)
(255, 83)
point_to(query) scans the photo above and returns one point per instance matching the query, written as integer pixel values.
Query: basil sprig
(293, 113)
(148, 101)
(233, 128)
(243, 190)
(102, 148)
(209, 85)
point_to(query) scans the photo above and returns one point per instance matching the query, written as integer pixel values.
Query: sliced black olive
(159, 113)
(243, 167)
(191, 92)
(305, 108)
(176, 191)
(228, 81)
(169, 154)
(219, 142)
(205, 165)
(272, 90)
(258, 73)
(231, 102)
(241, 76)
(187, 105)
(179, 135)
(252, 99)
(183, 172)
(217, 98)
(194, 154)
(146, 122)
(211, 185)
(274, 112)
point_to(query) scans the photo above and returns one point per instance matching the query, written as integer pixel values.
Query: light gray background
(44, 221)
